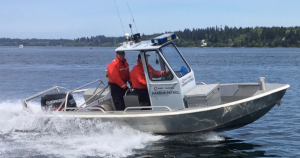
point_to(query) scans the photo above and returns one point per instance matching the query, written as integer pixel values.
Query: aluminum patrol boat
(178, 104)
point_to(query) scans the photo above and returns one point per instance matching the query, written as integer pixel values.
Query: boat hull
(219, 118)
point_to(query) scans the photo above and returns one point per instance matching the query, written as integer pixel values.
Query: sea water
(27, 71)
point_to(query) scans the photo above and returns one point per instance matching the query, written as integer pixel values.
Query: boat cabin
(163, 55)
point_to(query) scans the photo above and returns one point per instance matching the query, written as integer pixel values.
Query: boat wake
(26, 135)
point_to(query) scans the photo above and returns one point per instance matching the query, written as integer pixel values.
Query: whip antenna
(120, 17)
(132, 18)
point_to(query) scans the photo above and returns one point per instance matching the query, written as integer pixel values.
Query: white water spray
(33, 135)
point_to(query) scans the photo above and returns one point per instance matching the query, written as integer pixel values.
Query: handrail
(66, 100)
(78, 90)
(147, 107)
(24, 101)
(63, 88)
(99, 93)
(99, 86)
(88, 84)
(56, 88)
(83, 108)
(163, 83)
(201, 83)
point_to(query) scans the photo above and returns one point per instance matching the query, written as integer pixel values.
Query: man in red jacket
(118, 75)
(139, 81)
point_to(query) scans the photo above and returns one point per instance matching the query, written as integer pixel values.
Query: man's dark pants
(117, 94)
(143, 97)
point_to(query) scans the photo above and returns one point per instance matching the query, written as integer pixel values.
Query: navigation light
(163, 38)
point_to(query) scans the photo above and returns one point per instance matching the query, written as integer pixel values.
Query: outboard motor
(52, 101)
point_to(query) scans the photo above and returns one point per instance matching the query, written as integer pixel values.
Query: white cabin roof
(143, 45)
(154, 44)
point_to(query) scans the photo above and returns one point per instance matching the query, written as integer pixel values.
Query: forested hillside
(213, 36)
(241, 37)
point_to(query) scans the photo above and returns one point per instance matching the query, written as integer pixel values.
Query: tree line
(212, 36)
(241, 37)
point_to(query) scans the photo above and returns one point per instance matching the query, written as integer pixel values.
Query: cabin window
(157, 69)
(175, 60)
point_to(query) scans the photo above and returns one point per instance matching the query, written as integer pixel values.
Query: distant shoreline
(248, 37)
(116, 47)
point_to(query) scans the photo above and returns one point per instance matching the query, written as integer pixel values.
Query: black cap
(120, 52)
(139, 56)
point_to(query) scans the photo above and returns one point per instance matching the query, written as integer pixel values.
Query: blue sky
(71, 19)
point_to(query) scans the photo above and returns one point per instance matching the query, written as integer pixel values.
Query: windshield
(175, 60)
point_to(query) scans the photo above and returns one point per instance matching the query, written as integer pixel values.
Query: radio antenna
(132, 18)
(120, 17)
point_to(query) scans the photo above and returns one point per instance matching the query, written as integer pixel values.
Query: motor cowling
(52, 101)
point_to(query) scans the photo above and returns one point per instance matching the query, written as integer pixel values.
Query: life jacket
(118, 72)
(137, 75)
